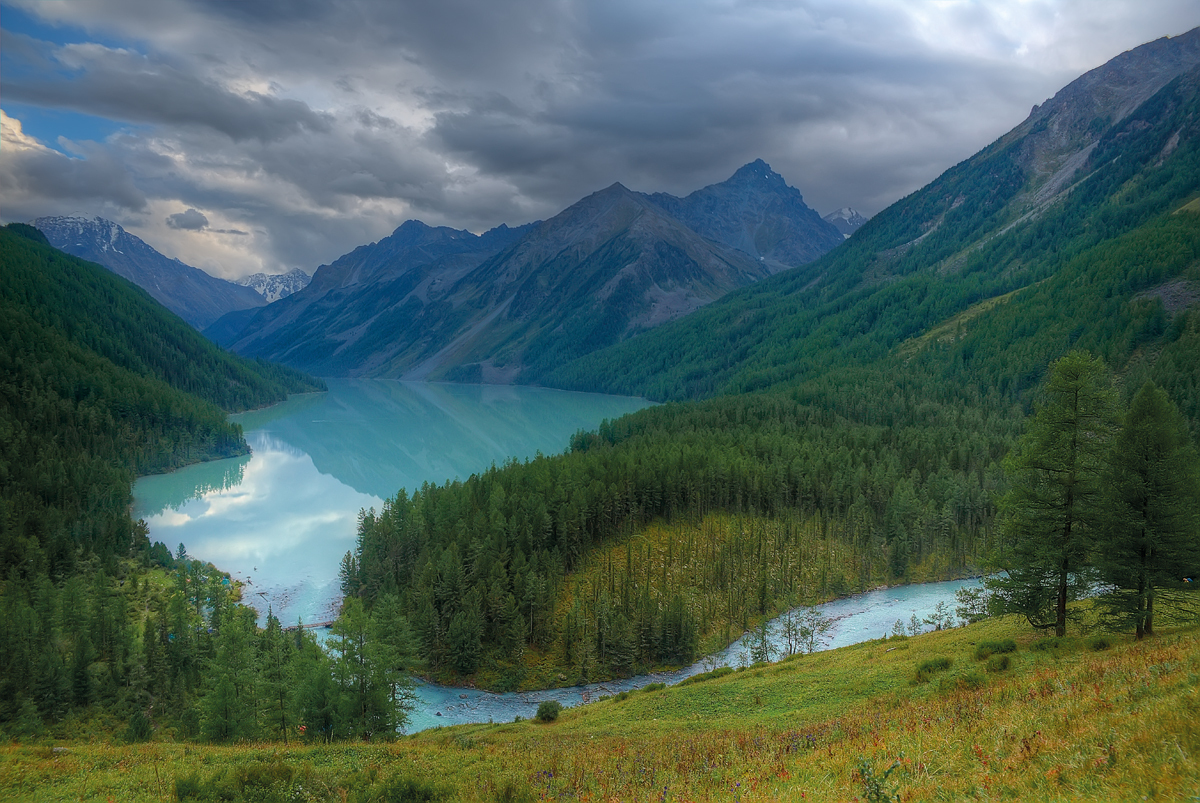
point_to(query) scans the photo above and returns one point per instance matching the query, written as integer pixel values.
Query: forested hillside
(98, 383)
(873, 392)
(958, 247)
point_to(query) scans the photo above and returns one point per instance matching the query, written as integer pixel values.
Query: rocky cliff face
(192, 294)
(1059, 135)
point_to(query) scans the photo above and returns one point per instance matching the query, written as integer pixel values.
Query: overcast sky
(261, 135)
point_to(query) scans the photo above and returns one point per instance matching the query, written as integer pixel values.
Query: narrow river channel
(857, 618)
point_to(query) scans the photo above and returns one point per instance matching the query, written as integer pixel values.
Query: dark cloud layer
(310, 127)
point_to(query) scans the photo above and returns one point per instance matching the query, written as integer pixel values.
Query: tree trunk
(1060, 620)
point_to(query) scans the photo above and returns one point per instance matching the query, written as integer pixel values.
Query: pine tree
(1051, 513)
(1151, 537)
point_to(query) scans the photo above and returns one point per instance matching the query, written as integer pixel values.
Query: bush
(1098, 643)
(403, 789)
(703, 676)
(188, 787)
(260, 781)
(1046, 644)
(999, 663)
(549, 710)
(985, 649)
(139, 727)
(512, 790)
(926, 669)
(654, 687)
(967, 681)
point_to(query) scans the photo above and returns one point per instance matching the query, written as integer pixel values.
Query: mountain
(101, 383)
(1004, 260)
(355, 305)
(512, 304)
(756, 212)
(274, 286)
(189, 292)
(870, 397)
(846, 220)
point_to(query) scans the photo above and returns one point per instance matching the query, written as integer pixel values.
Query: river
(281, 519)
(856, 618)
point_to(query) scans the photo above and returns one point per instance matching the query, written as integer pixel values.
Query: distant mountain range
(192, 294)
(756, 212)
(511, 304)
(846, 220)
(274, 286)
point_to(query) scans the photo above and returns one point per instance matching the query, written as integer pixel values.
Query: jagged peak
(845, 213)
(757, 171)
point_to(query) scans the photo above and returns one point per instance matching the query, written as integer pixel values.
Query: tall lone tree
(1151, 537)
(1052, 512)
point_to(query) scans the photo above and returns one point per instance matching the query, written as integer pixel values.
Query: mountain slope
(100, 383)
(1008, 218)
(189, 292)
(430, 303)
(871, 396)
(755, 211)
(847, 220)
(275, 286)
(514, 304)
(346, 320)
(605, 268)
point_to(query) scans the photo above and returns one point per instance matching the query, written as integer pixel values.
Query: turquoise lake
(282, 518)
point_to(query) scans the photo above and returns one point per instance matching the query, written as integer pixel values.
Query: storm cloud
(313, 127)
(190, 219)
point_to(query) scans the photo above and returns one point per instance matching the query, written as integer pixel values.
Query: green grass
(1069, 723)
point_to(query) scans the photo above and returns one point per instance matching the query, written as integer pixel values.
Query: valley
(996, 375)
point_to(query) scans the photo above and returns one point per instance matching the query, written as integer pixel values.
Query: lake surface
(281, 518)
(855, 619)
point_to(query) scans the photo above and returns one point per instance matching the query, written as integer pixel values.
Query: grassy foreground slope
(1077, 719)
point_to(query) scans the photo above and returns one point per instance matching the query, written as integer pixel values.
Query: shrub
(549, 710)
(999, 663)
(966, 681)
(926, 669)
(720, 672)
(188, 787)
(876, 787)
(1046, 644)
(512, 790)
(403, 789)
(985, 649)
(1098, 643)
(139, 727)
(654, 687)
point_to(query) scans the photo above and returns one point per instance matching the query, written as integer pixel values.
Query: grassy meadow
(989, 712)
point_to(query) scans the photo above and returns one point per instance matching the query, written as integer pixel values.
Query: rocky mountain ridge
(274, 286)
(434, 302)
(192, 294)
(847, 220)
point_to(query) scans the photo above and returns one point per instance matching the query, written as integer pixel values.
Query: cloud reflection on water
(283, 518)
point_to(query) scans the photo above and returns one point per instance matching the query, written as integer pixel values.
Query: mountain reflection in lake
(282, 518)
